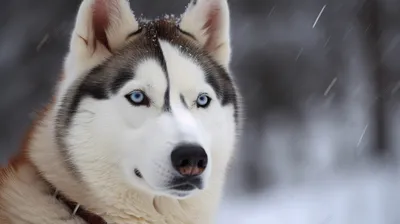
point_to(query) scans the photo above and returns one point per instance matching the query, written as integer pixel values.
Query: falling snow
(271, 11)
(330, 87)
(299, 54)
(319, 15)
(362, 136)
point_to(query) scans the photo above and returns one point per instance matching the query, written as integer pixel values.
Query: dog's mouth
(179, 186)
(183, 190)
(186, 184)
(183, 187)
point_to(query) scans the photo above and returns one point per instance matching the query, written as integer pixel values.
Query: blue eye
(138, 98)
(203, 100)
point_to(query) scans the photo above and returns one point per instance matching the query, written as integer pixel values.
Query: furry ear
(101, 27)
(208, 21)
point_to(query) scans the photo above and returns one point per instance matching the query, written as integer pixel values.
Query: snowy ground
(372, 198)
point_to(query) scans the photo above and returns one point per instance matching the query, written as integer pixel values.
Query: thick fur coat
(130, 94)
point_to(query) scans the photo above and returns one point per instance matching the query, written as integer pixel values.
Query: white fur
(194, 21)
(108, 139)
(82, 55)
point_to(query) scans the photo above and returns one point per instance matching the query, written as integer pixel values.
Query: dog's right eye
(138, 98)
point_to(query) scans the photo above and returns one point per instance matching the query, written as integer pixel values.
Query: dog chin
(172, 193)
(182, 191)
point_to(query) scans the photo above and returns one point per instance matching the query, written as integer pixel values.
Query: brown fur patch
(4, 220)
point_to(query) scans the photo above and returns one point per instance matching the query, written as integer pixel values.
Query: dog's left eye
(138, 98)
(203, 100)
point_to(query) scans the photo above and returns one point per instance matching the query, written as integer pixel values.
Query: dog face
(148, 103)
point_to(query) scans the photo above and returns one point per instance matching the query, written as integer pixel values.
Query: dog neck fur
(101, 28)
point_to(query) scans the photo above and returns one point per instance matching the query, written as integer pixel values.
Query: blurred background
(321, 86)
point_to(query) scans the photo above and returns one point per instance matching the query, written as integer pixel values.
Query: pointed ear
(101, 27)
(208, 21)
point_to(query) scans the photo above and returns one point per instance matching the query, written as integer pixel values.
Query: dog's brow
(187, 33)
(134, 33)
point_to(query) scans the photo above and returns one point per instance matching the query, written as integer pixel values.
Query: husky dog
(141, 128)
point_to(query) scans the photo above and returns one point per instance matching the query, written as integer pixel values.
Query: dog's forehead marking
(152, 78)
(150, 73)
(184, 74)
(172, 77)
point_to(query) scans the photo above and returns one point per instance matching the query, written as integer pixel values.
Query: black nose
(189, 159)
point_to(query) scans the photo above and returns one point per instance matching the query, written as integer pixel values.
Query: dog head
(148, 103)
